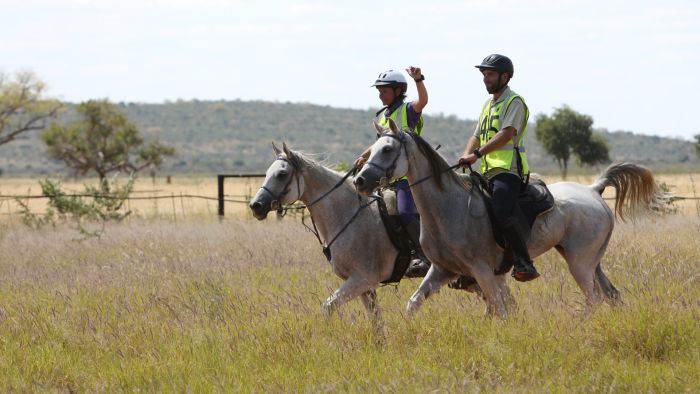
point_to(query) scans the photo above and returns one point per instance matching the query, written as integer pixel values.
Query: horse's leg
(369, 299)
(350, 289)
(495, 291)
(602, 283)
(612, 295)
(582, 263)
(508, 299)
(434, 279)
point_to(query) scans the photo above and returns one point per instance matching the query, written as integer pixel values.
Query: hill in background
(235, 136)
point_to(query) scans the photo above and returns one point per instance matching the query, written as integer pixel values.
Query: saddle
(534, 200)
(398, 236)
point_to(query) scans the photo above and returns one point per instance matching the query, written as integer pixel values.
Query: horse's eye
(386, 149)
(281, 174)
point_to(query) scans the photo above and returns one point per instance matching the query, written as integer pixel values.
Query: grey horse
(456, 232)
(361, 252)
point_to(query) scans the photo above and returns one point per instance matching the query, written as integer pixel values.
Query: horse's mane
(303, 161)
(438, 165)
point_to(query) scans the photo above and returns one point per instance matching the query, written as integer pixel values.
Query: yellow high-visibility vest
(490, 124)
(400, 117)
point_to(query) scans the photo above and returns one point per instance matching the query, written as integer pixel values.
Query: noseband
(389, 171)
(275, 203)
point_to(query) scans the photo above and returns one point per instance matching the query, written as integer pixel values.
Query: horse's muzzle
(366, 182)
(260, 207)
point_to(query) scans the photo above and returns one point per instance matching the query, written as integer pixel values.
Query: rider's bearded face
(491, 80)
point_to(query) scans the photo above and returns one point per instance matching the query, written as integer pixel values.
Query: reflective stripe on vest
(490, 124)
(400, 117)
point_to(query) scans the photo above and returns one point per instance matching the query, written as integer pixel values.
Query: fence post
(220, 179)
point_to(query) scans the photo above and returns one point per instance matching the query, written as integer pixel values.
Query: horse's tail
(634, 185)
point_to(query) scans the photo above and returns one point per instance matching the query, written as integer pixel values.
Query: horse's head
(388, 159)
(283, 184)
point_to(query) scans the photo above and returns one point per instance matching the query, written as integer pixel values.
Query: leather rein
(281, 211)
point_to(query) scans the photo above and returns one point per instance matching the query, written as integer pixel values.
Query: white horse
(350, 225)
(456, 233)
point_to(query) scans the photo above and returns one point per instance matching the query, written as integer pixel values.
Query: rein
(283, 210)
(314, 230)
(337, 185)
(425, 178)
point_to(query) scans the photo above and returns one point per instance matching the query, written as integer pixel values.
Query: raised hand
(414, 72)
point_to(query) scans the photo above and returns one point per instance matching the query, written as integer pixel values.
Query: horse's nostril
(359, 181)
(255, 205)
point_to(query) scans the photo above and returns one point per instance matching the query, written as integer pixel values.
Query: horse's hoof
(327, 310)
(417, 269)
(525, 272)
(411, 309)
(525, 276)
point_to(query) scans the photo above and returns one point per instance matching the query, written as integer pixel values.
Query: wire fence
(180, 206)
(179, 209)
(183, 200)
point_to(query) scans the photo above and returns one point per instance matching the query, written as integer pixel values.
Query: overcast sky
(632, 65)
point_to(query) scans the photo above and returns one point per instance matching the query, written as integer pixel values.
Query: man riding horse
(498, 142)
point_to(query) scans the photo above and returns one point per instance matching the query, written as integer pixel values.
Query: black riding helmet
(497, 63)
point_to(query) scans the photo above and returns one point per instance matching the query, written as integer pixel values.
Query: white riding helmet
(391, 78)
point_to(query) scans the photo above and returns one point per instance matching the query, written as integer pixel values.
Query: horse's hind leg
(612, 295)
(434, 279)
(351, 288)
(582, 263)
(602, 283)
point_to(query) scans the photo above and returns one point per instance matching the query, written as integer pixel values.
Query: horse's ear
(276, 149)
(393, 127)
(377, 127)
(286, 150)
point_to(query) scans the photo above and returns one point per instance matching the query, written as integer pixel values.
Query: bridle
(275, 203)
(281, 210)
(276, 197)
(389, 171)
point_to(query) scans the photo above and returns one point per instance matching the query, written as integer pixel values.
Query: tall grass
(235, 306)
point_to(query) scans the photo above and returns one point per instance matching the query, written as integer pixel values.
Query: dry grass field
(192, 303)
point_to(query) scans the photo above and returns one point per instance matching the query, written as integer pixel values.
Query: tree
(104, 141)
(22, 105)
(567, 132)
(697, 144)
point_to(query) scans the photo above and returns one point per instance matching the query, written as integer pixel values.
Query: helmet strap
(397, 97)
(500, 86)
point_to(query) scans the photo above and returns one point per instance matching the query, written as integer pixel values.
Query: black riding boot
(419, 265)
(523, 270)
